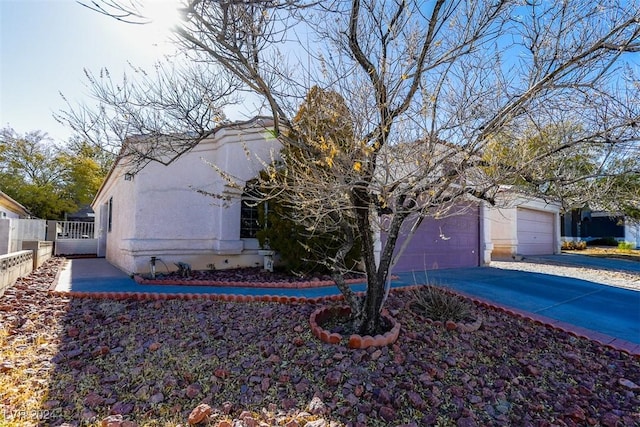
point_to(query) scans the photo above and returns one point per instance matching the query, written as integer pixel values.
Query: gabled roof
(13, 206)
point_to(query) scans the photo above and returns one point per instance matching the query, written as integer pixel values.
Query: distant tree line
(50, 179)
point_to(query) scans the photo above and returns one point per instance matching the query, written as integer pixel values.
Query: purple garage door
(445, 243)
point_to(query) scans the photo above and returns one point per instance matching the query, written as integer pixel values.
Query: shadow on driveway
(605, 309)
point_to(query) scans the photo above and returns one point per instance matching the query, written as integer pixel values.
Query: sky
(45, 45)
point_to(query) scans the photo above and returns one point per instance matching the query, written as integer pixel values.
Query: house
(522, 225)
(83, 214)
(461, 239)
(472, 232)
(157, 217)
(9, 208)
(158, 214)
(586, 224)
(477, 233)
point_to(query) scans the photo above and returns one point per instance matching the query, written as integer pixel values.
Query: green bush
(300, 253)
(438, 304)
(604, 241)
(626, 246)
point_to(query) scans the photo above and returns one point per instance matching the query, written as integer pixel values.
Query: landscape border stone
(355, 341)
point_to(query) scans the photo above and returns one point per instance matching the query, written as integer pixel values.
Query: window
(249, 224)
(110, 213)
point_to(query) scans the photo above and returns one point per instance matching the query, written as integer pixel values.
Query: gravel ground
(606, 277)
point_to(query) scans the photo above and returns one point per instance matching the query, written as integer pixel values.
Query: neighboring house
(17, 226)
(524, 226)
(83, 214)
(158, 213)
(585, 224)
(9, 208)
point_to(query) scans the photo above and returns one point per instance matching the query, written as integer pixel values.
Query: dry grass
(609, 252)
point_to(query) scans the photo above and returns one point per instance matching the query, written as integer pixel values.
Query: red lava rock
(122, 408)
(93, 399)
(450, 325)
(101, 350)
(383, 396)
(298, 342)
(221, 373)
(333, 378)
(247, 418)
(532, 370)
(224, 423)
(112, 421)
(156, 398)
(317, 407)
(610, 420)
(288, 404)
(466, 422)
(154, 346)
(416, 400)
(399, 358)
(193, 390)
(359, 390)
(576, 413)
(629, 385)
(227, 407)
(387, 413)
(74, 353)
(199, 414)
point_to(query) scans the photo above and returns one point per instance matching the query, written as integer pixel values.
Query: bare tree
(447, 101)
(152, 115)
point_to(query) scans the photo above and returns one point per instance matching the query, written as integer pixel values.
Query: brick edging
(269, 285)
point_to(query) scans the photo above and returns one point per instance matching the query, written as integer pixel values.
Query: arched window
(249, 212)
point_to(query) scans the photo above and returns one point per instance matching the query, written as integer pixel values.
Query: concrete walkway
(607, 314)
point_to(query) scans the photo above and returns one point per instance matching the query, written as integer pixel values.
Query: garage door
(446, 243)
(535, 232)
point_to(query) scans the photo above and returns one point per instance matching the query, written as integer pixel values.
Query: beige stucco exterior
(504, 222)
(158, 212)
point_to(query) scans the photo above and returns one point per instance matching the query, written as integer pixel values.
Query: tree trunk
(370, 322)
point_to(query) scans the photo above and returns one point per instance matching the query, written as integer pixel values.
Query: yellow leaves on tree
(324, 123)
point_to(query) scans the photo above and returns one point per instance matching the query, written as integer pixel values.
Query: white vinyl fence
(74, 237)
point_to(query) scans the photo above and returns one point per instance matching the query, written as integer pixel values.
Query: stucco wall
(160, 213)
(504, 222)
(632, 232)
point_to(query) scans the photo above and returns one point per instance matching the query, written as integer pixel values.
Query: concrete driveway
(594, 308)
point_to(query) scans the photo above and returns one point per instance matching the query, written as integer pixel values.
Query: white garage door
(535, 232)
